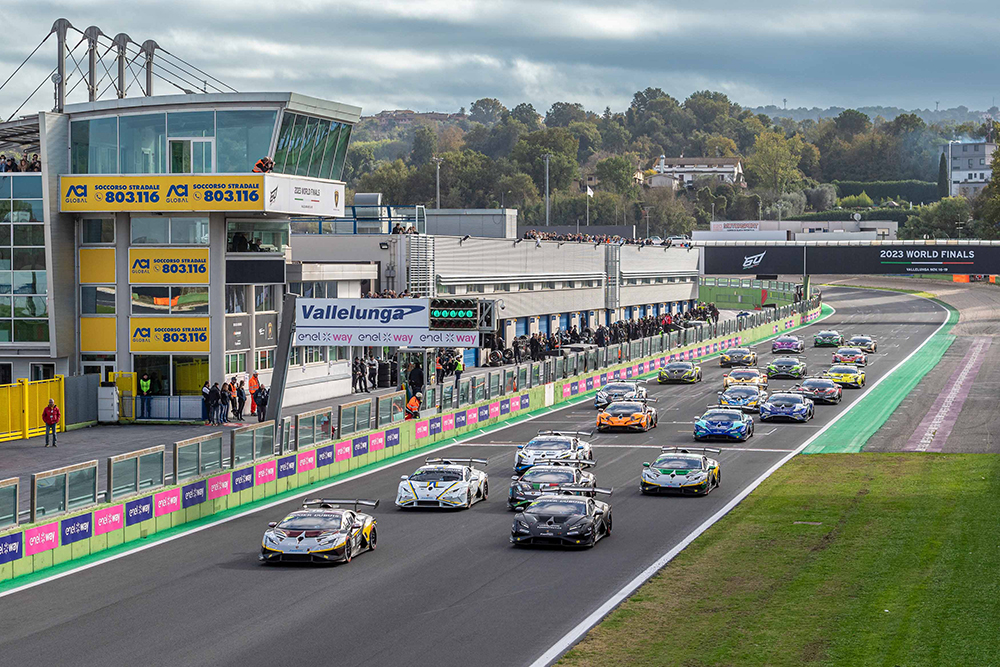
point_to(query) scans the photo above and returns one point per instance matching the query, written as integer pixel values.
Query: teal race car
(828, 338)
(723, 424)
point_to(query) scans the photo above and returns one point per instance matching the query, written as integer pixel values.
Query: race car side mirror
(404, 477)
(520, 446)
(645, 464)
(358, 524)
(719, 393)
(272, 524)
(514, 478)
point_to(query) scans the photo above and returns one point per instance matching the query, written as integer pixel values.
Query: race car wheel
(485, 490)
(607, 527)
(373, 540)
(348, 551)
(718, 479)
(468, 499)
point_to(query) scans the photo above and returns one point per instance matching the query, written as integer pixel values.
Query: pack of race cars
(554, 492)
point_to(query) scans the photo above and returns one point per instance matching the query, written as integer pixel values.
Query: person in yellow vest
(145, 387)
(459, 367)
(254, 385)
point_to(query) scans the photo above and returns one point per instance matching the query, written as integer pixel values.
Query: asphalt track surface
(443, 588)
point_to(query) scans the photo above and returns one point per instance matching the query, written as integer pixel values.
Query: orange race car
(631, 415)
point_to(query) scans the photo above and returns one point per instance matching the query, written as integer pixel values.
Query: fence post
(25, 408)
(62, 403)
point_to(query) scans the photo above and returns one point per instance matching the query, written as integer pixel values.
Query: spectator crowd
(606, 239)
(12, 164)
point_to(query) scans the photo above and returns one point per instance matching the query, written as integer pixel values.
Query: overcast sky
(442, 54)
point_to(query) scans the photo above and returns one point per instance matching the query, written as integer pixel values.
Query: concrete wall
(500, 223)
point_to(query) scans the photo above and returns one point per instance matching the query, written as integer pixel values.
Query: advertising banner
(392, 437)
(343, 450)
(174, 192)
(168, 334)
(324, 455)
(751, 260)
(310, 196)
(139, 510)
(435, 425)
(376, 442)
(242, 480)
(370, 322)
(76, 528)
(265, 472)
(193, 494)
(168, 266)
(307, 461)
(11, 547)
(882, 259)
(736, 226)
(108, 519)
(42, 538)
(286, 467)
(166, 502)
(360, 446)
(219, 486)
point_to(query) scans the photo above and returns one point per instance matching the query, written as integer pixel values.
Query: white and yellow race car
(745, 376)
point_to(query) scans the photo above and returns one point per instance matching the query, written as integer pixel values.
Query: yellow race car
(631, 415)
(745, 376)
(846, 375)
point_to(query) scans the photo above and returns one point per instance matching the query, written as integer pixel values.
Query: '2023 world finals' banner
(374, 322)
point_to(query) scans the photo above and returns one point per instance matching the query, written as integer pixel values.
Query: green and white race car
(828, 338)
(786, 367)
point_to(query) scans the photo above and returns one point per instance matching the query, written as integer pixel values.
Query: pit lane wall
(27, 549)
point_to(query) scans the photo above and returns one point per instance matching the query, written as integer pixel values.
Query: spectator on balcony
(205, 392)
(3, 163)
(50, 415)
(36, 164)
(24, 166)
(214, 397)
(239, 243)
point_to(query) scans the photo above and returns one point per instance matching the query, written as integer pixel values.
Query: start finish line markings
(594, 444)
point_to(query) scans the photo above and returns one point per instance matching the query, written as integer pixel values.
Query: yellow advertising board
(168, 334)
(97, 334)
(97, 265)
(175, 192)
(168, 266)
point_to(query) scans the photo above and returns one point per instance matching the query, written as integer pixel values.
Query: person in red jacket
(50, 415)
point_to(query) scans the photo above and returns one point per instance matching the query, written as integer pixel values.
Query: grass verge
(891, 567)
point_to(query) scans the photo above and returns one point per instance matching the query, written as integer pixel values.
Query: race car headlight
(650, 474)
(697, 477)
(272, 538)
(521, 527)
(602, 394)
(451, 493)
(328, 538)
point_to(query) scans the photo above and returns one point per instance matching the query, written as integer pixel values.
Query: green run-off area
(837, 559)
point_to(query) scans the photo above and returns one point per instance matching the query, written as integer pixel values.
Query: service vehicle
(321, 532)
(850, 355)
(553, 445)
(738, 356)
(828, 338)
(820, 390)
(681, 470)
(745, 376)
(446, 483)
(563, 519)
(787, 405)
(548, 478)
(617, 391)
(685, 372)
(787, 343)
(786, 367)
(846, 375)
(746, 397)
(630, 415)
(723, 424)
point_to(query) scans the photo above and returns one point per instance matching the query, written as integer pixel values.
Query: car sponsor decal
(138, 510)
(109, 519)
(76, 528)
(166, 502)
(193, 494)
(219, 486)
(243, 479)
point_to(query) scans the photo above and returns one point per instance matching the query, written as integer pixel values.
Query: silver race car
(681, 470)
(321, 532)
(548, 478)
(552, 445)
(619, 390)
(444, 483)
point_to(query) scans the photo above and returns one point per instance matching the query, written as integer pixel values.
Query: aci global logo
(141, 335)
(140, 266)
(76, 194)
(177, 191)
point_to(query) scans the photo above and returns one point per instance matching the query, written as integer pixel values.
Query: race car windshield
(787, 339)
(680, 366)
(739, 350)
(674, 463)
(785, 401)
(785, 362)
(742, 375)
(848, 350)
(827, 334)
(741, 392)
(849, 370)
(557, 507)
(548, 476)
(619, 409)
(436, 476)
(819, 384)
(618, 388)
(861, 340)
(722, 416)
(549, 445)
(327, 522)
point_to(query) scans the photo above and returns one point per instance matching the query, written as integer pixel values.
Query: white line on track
(574, 635)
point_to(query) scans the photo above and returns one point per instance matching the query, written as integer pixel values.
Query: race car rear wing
(450, 461)
(566, 433)
(332, 503)
(569, 489)
(690, 450)
(573, 463)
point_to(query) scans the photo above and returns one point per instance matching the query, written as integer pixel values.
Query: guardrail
(210, 478)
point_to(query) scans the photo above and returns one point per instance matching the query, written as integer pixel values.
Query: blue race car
(724, 424)
(794, 407)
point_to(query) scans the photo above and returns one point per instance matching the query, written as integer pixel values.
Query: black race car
(563, 520)
(548, 478)
(820, 390)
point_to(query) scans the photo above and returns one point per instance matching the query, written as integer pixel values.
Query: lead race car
(548, 478)
(681, 470)
(617, 391)
(448, 483)
(321, 532)
(563, 519)
(553, 445)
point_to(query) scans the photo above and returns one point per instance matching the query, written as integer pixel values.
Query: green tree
(772, 165)
(558, 142)
(516, 190)
(525, 113)
(561, 114)
(614, 137)
(360, 160)
(943, 179)
(487, 111)
(589, 137)
(391, 179)
(987, 205)
(938, 221)
(615, 174)
(424, 145)
(809, 161)
(667, 214)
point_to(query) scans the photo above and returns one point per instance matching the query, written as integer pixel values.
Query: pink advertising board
(343, 451)
(515, 403)
(219, 486)
(448, 422)
(307, 461)
(166, 502)
(376, 441)
(471, 416)
(422, 429)
(494, 409)
(567, 390)
(265, 472)
(41, 538)
(108, 519)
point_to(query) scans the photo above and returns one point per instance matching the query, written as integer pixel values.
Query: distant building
(970, 168)
(686, 170)
(662, 181)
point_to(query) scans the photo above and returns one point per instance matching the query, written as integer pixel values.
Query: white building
(686, 170)
(970, 168)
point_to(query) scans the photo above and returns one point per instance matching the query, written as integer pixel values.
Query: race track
(443, 588)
